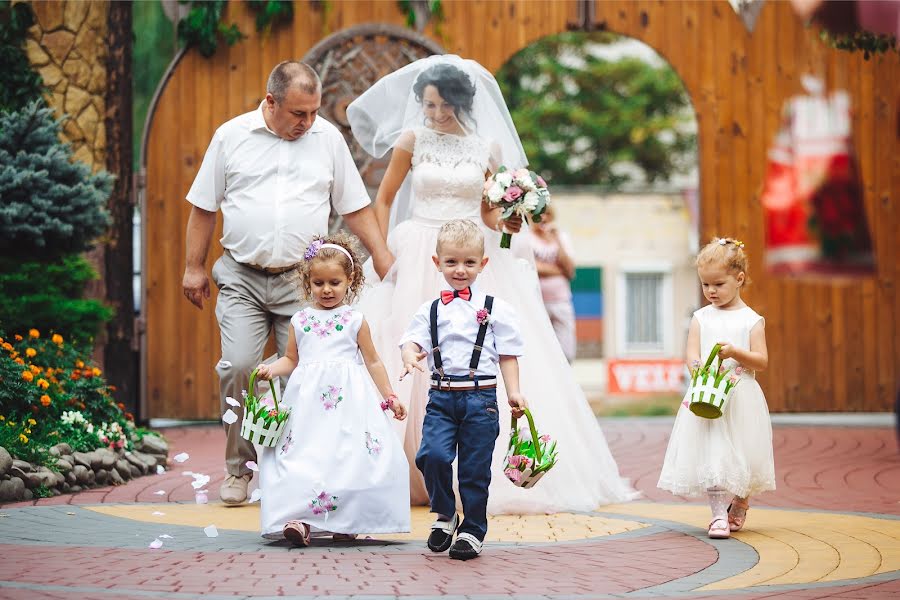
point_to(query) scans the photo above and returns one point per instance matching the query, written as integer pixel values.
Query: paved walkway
(831, 530)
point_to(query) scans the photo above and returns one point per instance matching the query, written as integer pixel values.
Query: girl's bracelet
(388, 402)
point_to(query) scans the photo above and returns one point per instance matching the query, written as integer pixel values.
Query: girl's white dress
(447, 181)
(338, 466)
(734, 451)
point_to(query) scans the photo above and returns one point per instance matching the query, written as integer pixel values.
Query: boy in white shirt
(470, 335)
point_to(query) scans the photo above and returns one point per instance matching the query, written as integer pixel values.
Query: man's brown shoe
(234, 489)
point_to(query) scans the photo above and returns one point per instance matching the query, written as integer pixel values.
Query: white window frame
(667, 309)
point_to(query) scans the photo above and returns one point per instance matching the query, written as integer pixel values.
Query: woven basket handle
(534, 436)
(252, 387)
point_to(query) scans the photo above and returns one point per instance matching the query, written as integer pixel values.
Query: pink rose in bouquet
(520, 192)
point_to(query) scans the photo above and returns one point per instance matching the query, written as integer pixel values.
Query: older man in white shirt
(274, 173)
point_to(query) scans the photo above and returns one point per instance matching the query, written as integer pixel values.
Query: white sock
(718, 502)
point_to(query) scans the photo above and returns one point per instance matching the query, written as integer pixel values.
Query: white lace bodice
(448, 175)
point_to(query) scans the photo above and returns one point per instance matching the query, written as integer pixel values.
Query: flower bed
(60, 428)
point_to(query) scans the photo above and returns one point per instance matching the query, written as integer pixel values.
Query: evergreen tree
(18, 82)
(587, 120)
(49, 205)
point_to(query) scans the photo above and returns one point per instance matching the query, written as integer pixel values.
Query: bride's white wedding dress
(447, 180)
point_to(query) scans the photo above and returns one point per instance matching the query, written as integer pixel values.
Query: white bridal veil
(390, 107)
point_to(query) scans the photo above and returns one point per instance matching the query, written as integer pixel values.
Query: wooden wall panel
(834, 343)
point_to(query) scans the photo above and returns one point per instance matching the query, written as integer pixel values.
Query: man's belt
(269, 270)
(464, 385)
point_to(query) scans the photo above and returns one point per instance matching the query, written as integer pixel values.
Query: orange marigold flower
(28, 376)
(43, 383)
(129, 416)
(34, 333)
(88, 373)
(111, 388)
(19, 361)
(76, 375)
(57, 339)
(35, 369)
(45, 400)
(7, 346)
(97, 372)
(79, 364)
(18, 337)
(121, 406)
(81, 405)
(30, 352)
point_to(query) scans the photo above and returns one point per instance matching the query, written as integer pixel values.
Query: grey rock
(63, 466)
(54, 451)
(96, 460)
(115, 478)
(43, 476)
(101, 476)
(74, 489)
(82, 458)
(81, 474)
(107, 458)
(70, 478)
(68, 458)
(135, 472)
(123, 468)
(6, 461)
(91, 479)
(146, 459)
(65, 488)
(11, 489)
(60, 478)
(27, 495)
(62, 448)
(25, 467)
(55, 492)
(153, 444)
(17, 472)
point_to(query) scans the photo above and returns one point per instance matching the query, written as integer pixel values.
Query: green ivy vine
(435, 8)
(861, 41)
(203, 27)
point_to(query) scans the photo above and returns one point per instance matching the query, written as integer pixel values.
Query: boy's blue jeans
(467, 423)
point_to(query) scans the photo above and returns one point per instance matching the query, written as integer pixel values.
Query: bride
(449, 128)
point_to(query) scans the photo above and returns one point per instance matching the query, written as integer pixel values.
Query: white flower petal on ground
(229, 417)
(252, 465)
(211, 531)
(256, 495)
(200, 480)
(182, 457)
(188, 473)
(160, 469)
(159, 493)
(156, 513)
(157, 543)
(166, 536)
(231, 401)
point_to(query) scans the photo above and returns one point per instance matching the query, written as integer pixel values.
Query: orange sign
(645, 376)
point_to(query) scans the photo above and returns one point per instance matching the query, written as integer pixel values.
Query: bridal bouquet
(521, 192)
(528, 457)
(711, 386)
(263, 423)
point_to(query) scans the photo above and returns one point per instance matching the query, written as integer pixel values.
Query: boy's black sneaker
(442, 534)
(466, 547)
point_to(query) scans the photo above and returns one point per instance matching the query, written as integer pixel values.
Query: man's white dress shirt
(457, 327)
(274, 193)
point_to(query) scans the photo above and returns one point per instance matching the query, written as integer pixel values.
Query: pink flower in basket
(513, 475)
(545, 438)
(273, 413)
(267, 401)
(483, 316)
(513, 193)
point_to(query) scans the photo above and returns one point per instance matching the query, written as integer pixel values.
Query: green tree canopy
(18, 83)
(587, 120)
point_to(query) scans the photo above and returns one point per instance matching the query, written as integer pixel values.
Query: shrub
(47, 296)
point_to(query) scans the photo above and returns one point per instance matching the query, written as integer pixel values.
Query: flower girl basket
(528, 459)
(711, 387)
(262, 423)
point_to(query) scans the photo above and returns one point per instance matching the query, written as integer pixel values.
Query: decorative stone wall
(67, 46)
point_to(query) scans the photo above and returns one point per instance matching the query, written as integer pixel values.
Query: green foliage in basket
(254, 407)
(525, 452)
(703, 374)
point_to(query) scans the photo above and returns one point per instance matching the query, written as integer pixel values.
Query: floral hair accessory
(722, 241)
(483, 316)
(313, 249)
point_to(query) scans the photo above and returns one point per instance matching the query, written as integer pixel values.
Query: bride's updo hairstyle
(452, 84)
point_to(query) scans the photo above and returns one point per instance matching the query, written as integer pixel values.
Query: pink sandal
(737, 513)
(297, 533)
(718, 529)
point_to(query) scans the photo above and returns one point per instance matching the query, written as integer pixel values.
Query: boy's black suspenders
(476, 351)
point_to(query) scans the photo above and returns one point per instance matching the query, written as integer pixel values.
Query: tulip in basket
(711, 387)
(528, 458)
(263, 423)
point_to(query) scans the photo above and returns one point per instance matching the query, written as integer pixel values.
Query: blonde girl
(339, 467)
(730, 458)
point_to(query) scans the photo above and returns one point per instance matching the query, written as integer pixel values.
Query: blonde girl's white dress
(339, 465)
(734, 451)
(447, 179)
